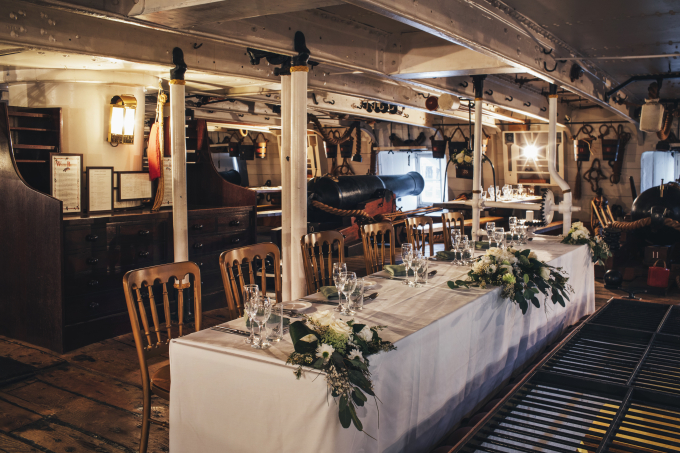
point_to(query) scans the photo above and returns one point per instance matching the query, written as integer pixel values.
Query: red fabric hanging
(153, 153)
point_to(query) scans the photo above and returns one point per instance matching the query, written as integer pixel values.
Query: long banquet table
(454, 347)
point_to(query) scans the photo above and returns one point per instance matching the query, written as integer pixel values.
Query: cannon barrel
(348, 191)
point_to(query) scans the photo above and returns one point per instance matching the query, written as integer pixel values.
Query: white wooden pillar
(179, 159)
(293, 179)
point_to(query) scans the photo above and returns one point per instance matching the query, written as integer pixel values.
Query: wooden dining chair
(374, 237)
(319, 266)
(416, 234)
(451, 220)
(151, 340)
(238, 269)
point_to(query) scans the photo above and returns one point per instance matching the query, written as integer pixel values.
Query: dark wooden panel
(202, 245)
(30, 255)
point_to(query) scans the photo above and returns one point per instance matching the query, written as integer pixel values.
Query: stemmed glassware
(250, 294)
(522, 234)
(338, 269)
(490, 226)
(407, 258)
(348, 281)
(499, 236)
(261, 312)
(512, 221)
(420, 266)
(492, 192)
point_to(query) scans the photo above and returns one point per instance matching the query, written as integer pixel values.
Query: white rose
(545, 273)
(340, 327)
(468, 159)
(533, 255)
(460, 159)
(310, 338)
(323, 318)
(577, 225)
(366, 334)
(507, 268)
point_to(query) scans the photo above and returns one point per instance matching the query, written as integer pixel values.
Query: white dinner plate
(297, 305)
(368, 283)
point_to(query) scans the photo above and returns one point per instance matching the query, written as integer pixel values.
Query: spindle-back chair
(374, 236)
(234, 278)
(451, 220)
(154, 340)
(319, 266)
(416, 235)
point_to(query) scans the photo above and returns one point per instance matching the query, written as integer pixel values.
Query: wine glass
(338, 268)
(499, 236)
(512, 222)
(348, 281)
(261, 313)
(490, 226)
(250, 293)
(407, 258)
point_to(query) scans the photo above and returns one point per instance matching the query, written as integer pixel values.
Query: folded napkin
(481, 245)
(446, 256)
(329, 292)
(397, 270)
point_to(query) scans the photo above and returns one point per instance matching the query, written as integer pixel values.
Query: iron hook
(550, 70)
(527, 104)
(489, 92)
(509, 98)
(464, 84)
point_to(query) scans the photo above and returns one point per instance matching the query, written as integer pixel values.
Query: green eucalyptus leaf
(357, 400)
(355, 418)
(356, 328)
(318, 364)
(338, 360)
(298, 330)
(344, 413)
(526, 278)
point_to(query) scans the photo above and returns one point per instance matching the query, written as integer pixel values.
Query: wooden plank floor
(90, 400)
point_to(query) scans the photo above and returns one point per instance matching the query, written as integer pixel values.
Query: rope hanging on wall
(160, 189)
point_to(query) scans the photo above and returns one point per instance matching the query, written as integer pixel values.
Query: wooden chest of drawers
(97, 251)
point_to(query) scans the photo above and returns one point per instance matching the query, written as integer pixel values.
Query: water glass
(490, 226)
(250, 293)
(512, 221)
(469, 253)
(356, 299)
(499, 236)
(348, 282)
(261, 313)
(407, 258)
(274, 325)
(338, 268)
(420, 265)
(492, 192)
(523, 234)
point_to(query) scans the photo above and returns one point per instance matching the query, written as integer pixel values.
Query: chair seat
(160, 380)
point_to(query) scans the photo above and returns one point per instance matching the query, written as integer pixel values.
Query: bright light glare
(531, 152)
(129, 126)
(117, 120)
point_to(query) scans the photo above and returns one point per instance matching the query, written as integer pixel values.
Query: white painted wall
(85, 114)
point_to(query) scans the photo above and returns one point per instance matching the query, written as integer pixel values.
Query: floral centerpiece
(579, 234)
(521, 275)
(464, 158)
(340, 349)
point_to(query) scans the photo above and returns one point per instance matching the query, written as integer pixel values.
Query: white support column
(293, 180)
(179, 160)
(477, 170)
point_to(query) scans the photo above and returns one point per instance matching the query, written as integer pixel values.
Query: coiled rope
(628, 226)
(343, 212)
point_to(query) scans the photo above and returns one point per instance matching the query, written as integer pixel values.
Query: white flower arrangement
(464, 158)
(341, 350)
(520, 274)
(578, 234)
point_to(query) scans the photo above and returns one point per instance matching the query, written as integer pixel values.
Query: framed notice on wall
(134, 185)
(99, 189)
(66, 171)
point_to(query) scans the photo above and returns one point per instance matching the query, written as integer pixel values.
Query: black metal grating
(600, 352)
(551, 414)
(650, 423)
(661, 369)
(629, 314)
(672, 324)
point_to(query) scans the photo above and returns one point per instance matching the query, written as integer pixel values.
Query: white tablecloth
(453, 349)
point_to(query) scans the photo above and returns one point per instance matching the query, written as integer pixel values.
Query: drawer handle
(94, 305)
(235, 223)
(92, 261)
(91, 237)
(144, 232)
(143, 254)
(198, 226)
(93, 283)
(235, 240)
(198, 245)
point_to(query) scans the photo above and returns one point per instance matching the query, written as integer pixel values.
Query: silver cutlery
(432, 273)
(372, 296)
(231, 330)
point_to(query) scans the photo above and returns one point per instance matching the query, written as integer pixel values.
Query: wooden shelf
(23, 146)
(29, 161)
(30, 114)
(36, 129)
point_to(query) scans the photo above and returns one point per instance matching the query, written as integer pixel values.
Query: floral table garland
(578, 234)
(521, 275)
(340, 349)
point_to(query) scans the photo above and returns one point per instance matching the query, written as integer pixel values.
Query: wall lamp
(122, 120)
